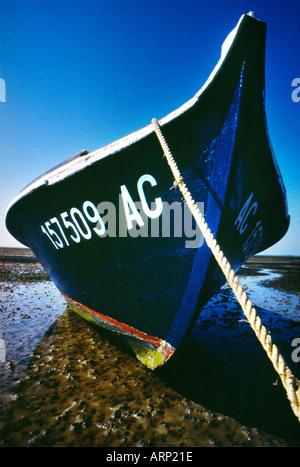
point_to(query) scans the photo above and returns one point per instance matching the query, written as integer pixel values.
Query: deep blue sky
(80, 74)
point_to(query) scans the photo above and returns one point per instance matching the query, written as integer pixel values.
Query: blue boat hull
(114, 234)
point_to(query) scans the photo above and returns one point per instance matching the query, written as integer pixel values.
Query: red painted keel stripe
(117, 324)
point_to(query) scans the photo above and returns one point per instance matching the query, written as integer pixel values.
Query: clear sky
(81, 74)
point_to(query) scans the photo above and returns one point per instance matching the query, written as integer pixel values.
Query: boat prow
(116, 238)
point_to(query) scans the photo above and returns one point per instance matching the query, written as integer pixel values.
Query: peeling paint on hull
(151, 351)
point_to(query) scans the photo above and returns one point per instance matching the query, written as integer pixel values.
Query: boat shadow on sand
(222, 365)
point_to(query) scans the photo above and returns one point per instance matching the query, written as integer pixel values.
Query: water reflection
(27, 312)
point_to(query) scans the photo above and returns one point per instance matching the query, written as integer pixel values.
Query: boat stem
(289, 381)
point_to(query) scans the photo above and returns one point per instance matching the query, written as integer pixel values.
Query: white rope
(289, 381)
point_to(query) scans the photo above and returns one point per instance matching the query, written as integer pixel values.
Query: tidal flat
(66, 383)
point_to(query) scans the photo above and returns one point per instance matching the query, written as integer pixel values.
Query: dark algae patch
(20, 264)
(66, 383)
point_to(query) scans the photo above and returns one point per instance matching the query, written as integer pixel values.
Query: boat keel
(149, 350)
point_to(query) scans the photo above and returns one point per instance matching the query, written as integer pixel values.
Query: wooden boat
(113, 233)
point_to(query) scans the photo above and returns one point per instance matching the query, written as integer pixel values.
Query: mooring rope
(289, 381)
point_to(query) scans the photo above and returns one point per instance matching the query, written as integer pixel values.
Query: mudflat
(66, 383)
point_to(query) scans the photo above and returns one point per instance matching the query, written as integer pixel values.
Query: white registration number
(250, 227)
(76, 224)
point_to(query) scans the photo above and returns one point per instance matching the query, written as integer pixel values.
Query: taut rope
(289, 381)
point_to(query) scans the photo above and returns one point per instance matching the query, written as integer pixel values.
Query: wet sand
(67, 383)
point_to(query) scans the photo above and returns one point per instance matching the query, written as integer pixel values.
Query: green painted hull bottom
(150, 355)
